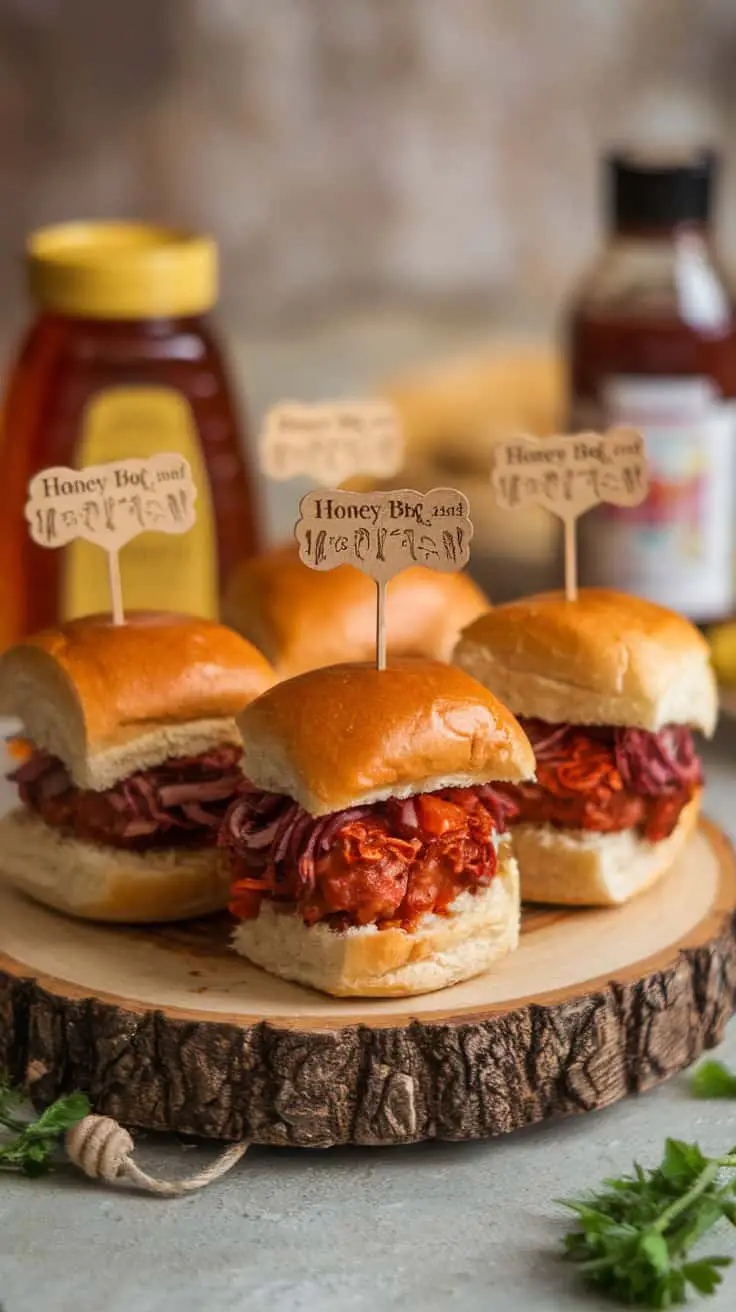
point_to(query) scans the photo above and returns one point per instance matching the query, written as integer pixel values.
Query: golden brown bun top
(351, 733)
(302, 618)
(606, 658)
(156, 668)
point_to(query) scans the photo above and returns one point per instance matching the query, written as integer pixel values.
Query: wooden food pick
(111, 504)
(382, 533)
(332, 441)
(570, 475)
(328, 443)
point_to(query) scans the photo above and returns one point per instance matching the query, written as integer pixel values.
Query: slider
(301, 618)
(368, 853)
(608, 689)
(132, 760)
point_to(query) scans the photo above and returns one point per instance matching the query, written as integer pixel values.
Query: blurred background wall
(430, 154)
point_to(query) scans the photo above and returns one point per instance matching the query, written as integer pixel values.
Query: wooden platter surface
(166, 1029)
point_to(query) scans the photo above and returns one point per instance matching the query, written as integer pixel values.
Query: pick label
(383, 533)
(331, 442)
(570, 475)
(111, 504)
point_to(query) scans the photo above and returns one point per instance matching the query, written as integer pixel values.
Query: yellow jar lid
(121, 270)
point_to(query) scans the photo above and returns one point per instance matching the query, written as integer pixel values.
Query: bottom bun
(96, 882)
(576, 867)
(382, 963)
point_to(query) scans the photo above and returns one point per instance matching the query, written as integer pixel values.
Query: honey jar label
(158, 572)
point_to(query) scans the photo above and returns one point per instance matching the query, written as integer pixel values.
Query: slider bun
(110, 699)
(352, 734)
(369, 962)
(576, 867)
(607, 658)
(95, 882)
(302, 618)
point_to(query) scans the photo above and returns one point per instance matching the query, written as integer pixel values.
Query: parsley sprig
(27, 1144)
(633, 1239)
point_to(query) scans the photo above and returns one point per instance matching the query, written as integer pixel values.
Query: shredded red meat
(181, 802)
(608, 779)
(386, 864)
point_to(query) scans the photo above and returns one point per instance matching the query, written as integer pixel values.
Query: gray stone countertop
(427, 1227)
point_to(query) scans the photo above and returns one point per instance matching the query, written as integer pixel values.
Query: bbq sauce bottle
(652, 344)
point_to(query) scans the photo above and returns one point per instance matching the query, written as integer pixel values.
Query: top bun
(352, 734)
(110, 699)
(302, 618)
(607, 658)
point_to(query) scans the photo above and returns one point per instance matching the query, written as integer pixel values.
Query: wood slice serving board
(167, 1030)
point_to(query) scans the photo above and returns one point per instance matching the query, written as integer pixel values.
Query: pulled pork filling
(387, 864)
(181, 802)
(607, 779)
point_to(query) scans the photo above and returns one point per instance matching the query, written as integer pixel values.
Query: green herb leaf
(713, 1080)
(705, 1275)
(633, 1239)
(32, 1146)
(654, 1249)
(61, 1116)
(682, 1162)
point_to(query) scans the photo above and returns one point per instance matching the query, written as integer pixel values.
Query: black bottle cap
(645, 191)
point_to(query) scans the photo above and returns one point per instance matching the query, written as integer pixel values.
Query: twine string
(104, 1151)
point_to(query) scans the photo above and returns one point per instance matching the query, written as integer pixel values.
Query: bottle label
(676, 548)
(158, 571)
